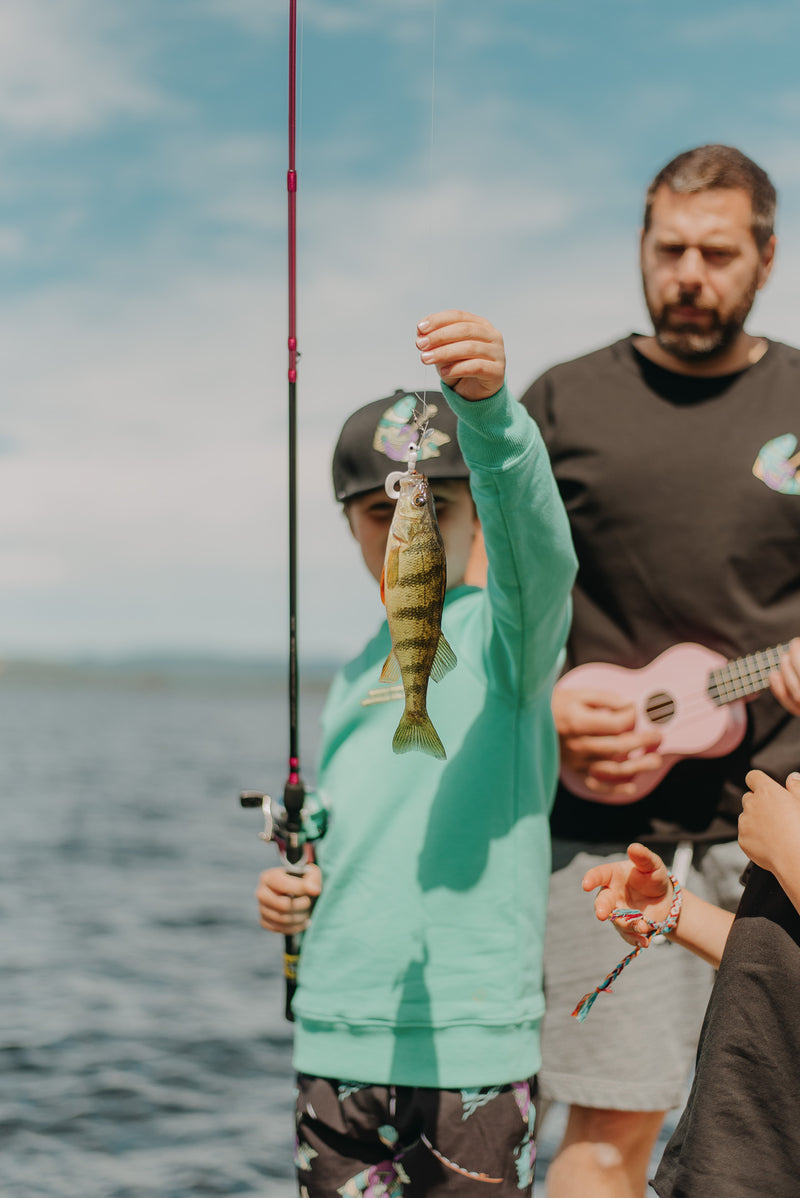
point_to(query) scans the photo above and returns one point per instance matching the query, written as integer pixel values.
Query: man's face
(701, 269)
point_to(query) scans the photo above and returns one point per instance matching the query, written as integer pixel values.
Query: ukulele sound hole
(660, 708)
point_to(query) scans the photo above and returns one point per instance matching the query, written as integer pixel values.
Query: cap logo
(778, 465)
(397, 430)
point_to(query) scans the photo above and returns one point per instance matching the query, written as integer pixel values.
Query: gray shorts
(636, 1048)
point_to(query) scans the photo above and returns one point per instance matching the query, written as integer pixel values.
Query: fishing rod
(284, 824)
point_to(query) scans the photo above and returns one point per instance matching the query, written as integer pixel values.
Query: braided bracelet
(629, 915)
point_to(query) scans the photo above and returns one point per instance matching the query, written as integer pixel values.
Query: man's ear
(767, 261)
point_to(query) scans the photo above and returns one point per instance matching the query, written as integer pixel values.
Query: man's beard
(688, 342)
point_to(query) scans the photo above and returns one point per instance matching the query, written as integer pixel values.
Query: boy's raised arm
(528, 542)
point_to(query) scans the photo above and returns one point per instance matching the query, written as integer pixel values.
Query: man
(674, 453)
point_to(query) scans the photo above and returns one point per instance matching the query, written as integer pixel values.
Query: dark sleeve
(538, 399)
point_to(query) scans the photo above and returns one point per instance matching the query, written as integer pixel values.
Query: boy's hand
(641, 883)
(285, 900)
(769, 826)
(466, 350)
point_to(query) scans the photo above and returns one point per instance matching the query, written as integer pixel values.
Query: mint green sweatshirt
(422, 965)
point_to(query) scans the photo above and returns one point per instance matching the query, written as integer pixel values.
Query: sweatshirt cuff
(493, 433)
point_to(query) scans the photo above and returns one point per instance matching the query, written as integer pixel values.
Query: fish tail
(417, 732)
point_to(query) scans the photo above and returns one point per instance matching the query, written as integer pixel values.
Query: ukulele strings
(752, 674)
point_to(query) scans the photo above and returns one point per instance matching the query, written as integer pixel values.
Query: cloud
(151, 434)
(71, 67)
(143, 483)
(741, 24)
(13, 243)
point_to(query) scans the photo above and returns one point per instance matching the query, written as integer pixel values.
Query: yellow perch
(412, 588)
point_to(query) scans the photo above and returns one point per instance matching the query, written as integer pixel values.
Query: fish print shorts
(358, 1141)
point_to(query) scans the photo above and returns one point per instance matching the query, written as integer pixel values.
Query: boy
(420, 990)
(739, 1134)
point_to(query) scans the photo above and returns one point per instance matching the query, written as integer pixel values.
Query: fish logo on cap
(397, 429)
(778, 465)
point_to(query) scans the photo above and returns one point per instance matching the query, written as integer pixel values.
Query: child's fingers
(604, 904)
(452, 324)
(313, 880)
(283, 912)
(281, 882)
(285, 900)
(459, 341)
(598, 875)
(645, 860)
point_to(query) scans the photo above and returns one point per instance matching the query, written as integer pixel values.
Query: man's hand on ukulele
(596, 731)
(785, 681)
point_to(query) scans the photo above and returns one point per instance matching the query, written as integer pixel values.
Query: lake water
(143, 1051)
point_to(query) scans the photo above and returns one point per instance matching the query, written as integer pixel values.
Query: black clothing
(739, 1135)
(677, 540)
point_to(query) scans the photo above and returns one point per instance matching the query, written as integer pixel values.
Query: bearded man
(676, 456)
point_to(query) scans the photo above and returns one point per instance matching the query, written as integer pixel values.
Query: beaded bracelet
(629, 915)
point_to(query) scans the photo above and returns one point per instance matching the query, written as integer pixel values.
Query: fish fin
(383, 586)
(444, 661)
(391, 669)
(414, 732)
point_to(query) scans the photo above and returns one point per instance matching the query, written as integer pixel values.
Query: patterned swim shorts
(360, 1141)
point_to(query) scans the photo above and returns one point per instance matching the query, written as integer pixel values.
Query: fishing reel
(274, 813)
(277, 825)
(293, 832)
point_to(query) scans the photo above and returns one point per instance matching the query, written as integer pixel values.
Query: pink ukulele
(693, 695)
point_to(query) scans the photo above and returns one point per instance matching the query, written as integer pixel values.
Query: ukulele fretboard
(744, 676)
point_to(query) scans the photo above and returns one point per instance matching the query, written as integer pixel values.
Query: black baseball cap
(376, 439)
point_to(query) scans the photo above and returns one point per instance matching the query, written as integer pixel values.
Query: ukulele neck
(744, 676)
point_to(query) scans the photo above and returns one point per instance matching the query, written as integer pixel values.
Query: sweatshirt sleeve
(532, 563)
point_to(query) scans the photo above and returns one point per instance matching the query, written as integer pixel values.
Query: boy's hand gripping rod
(284, 825)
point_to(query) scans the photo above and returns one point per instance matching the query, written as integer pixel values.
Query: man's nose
(691, 269)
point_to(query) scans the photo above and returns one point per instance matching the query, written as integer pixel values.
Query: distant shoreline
(165, 670)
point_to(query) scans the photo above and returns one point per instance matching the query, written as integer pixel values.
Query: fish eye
(420, 497)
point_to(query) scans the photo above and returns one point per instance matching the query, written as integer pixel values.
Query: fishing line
(433, 90)
(420, 394)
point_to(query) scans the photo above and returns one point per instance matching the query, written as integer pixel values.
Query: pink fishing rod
(294, 790)
(286, 826)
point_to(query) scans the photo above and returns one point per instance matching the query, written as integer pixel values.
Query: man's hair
(708, 167)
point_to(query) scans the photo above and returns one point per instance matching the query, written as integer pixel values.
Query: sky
(450, 153)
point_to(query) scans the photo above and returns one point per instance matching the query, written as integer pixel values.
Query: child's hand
(285, 900)
(641, 883)
(769, 826)
(466, 350)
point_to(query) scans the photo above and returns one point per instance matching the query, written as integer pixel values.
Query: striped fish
(412, 588)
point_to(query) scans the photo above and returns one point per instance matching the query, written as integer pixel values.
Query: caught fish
(413, 584)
